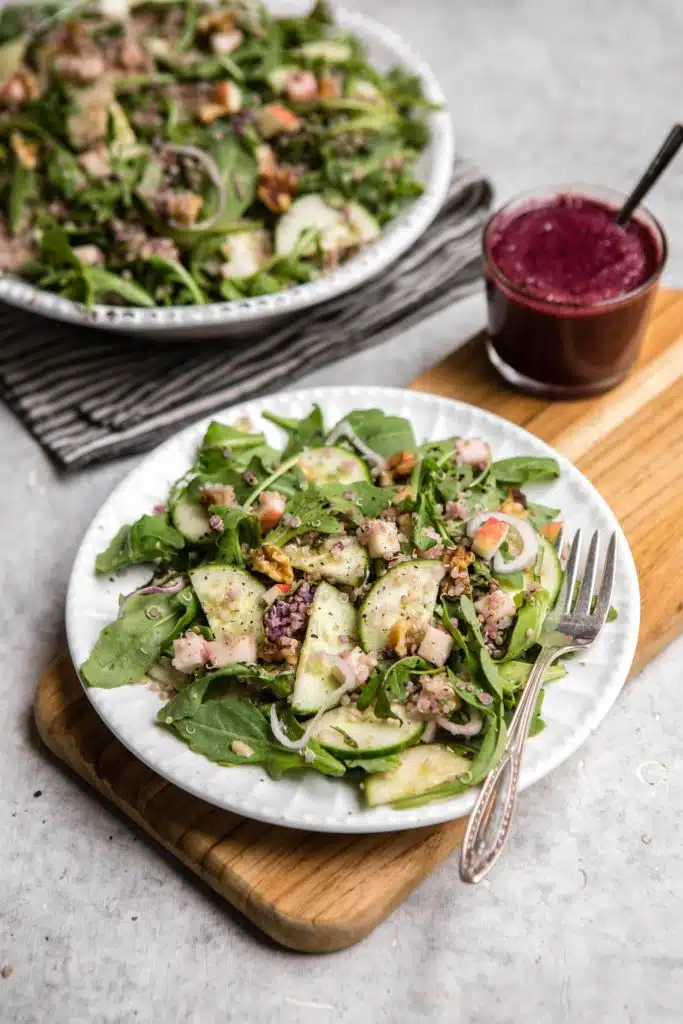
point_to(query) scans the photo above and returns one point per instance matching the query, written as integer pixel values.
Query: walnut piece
(26, 152)
(216, 21)
(512, 507)
(401, 464)
(456, 582)
(277, 189)
(241, 749)
(404, 637)
(184, 208)
(273, 563)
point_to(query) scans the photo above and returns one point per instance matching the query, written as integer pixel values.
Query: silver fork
(570, 626)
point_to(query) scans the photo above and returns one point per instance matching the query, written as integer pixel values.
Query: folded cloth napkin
(89, 396)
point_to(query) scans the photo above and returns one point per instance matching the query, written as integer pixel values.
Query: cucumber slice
(189, 516)
(408, 591)
(363, 225)
(331, 630)
(330, 50)
(422, 768)
(362, 89)
(246, 252)
(551, 573)
(368, 735)
(514, 674)
(550, 576)
(333, 466)
(278, 77)
(336, 229)
(232, 600)
(339, 559)
(311, 213)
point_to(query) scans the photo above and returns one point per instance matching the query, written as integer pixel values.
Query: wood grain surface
(319, 893)
(628, 442)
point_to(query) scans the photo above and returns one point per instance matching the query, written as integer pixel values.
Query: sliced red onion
(350, 683)
(471, 728)
(527, 534)
(211, 168)
(174, 586)
(429, 732)
(346, 431)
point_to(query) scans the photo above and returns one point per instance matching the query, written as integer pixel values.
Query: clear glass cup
(553, 348)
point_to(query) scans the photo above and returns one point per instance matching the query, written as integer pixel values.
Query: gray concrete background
(582, 920)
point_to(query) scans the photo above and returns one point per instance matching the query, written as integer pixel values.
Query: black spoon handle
(661, 161)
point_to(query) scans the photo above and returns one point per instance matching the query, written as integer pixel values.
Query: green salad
(176, 153)
(355, 604)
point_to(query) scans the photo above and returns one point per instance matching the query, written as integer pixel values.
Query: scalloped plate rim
(399, 235)
(208, 781)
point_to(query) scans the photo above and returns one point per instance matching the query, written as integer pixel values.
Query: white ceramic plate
(384, 49)
(573, 706)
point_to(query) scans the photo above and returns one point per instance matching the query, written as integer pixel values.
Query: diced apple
(489, 537)
(436, 646)
(472, 451)
(271, 506)
(551, 531)
(301, 86)
(275, 119)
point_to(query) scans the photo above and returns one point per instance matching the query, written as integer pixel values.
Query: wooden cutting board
(319, 893)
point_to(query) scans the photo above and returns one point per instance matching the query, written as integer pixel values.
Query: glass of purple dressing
(569, 290)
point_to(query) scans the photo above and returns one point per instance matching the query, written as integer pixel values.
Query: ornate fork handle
(491, 817)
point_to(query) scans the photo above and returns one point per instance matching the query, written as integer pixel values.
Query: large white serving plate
(573, 707)
(384, 49)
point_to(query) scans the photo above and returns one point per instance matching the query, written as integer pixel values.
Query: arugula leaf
(448, 617)
(490, 670)
(399, 673)
(383, 705)
(222, 436)
(469, 614)
(216, 683)
(217, 724)
(56, 249)
(322, 760)
(537, 723)
(451, 484)
(373, 765)
(421, 520)
(369, 690)
(384, 434)
(240, 173)
(171, 268)
(510, 580)
(491, 750)
(388, 682)
(22, 191)
(367, 503)
(528, 624)
(305, 433)
(309, 508)
(439, 450)
(227, 452)
(150, 539)
(524, 469)
(103, 284)
(129, 646)
(540, 514)
(239, 527)
(472, 695)
(514, 674)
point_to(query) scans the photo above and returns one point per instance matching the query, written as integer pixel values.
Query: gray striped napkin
(89, 396)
